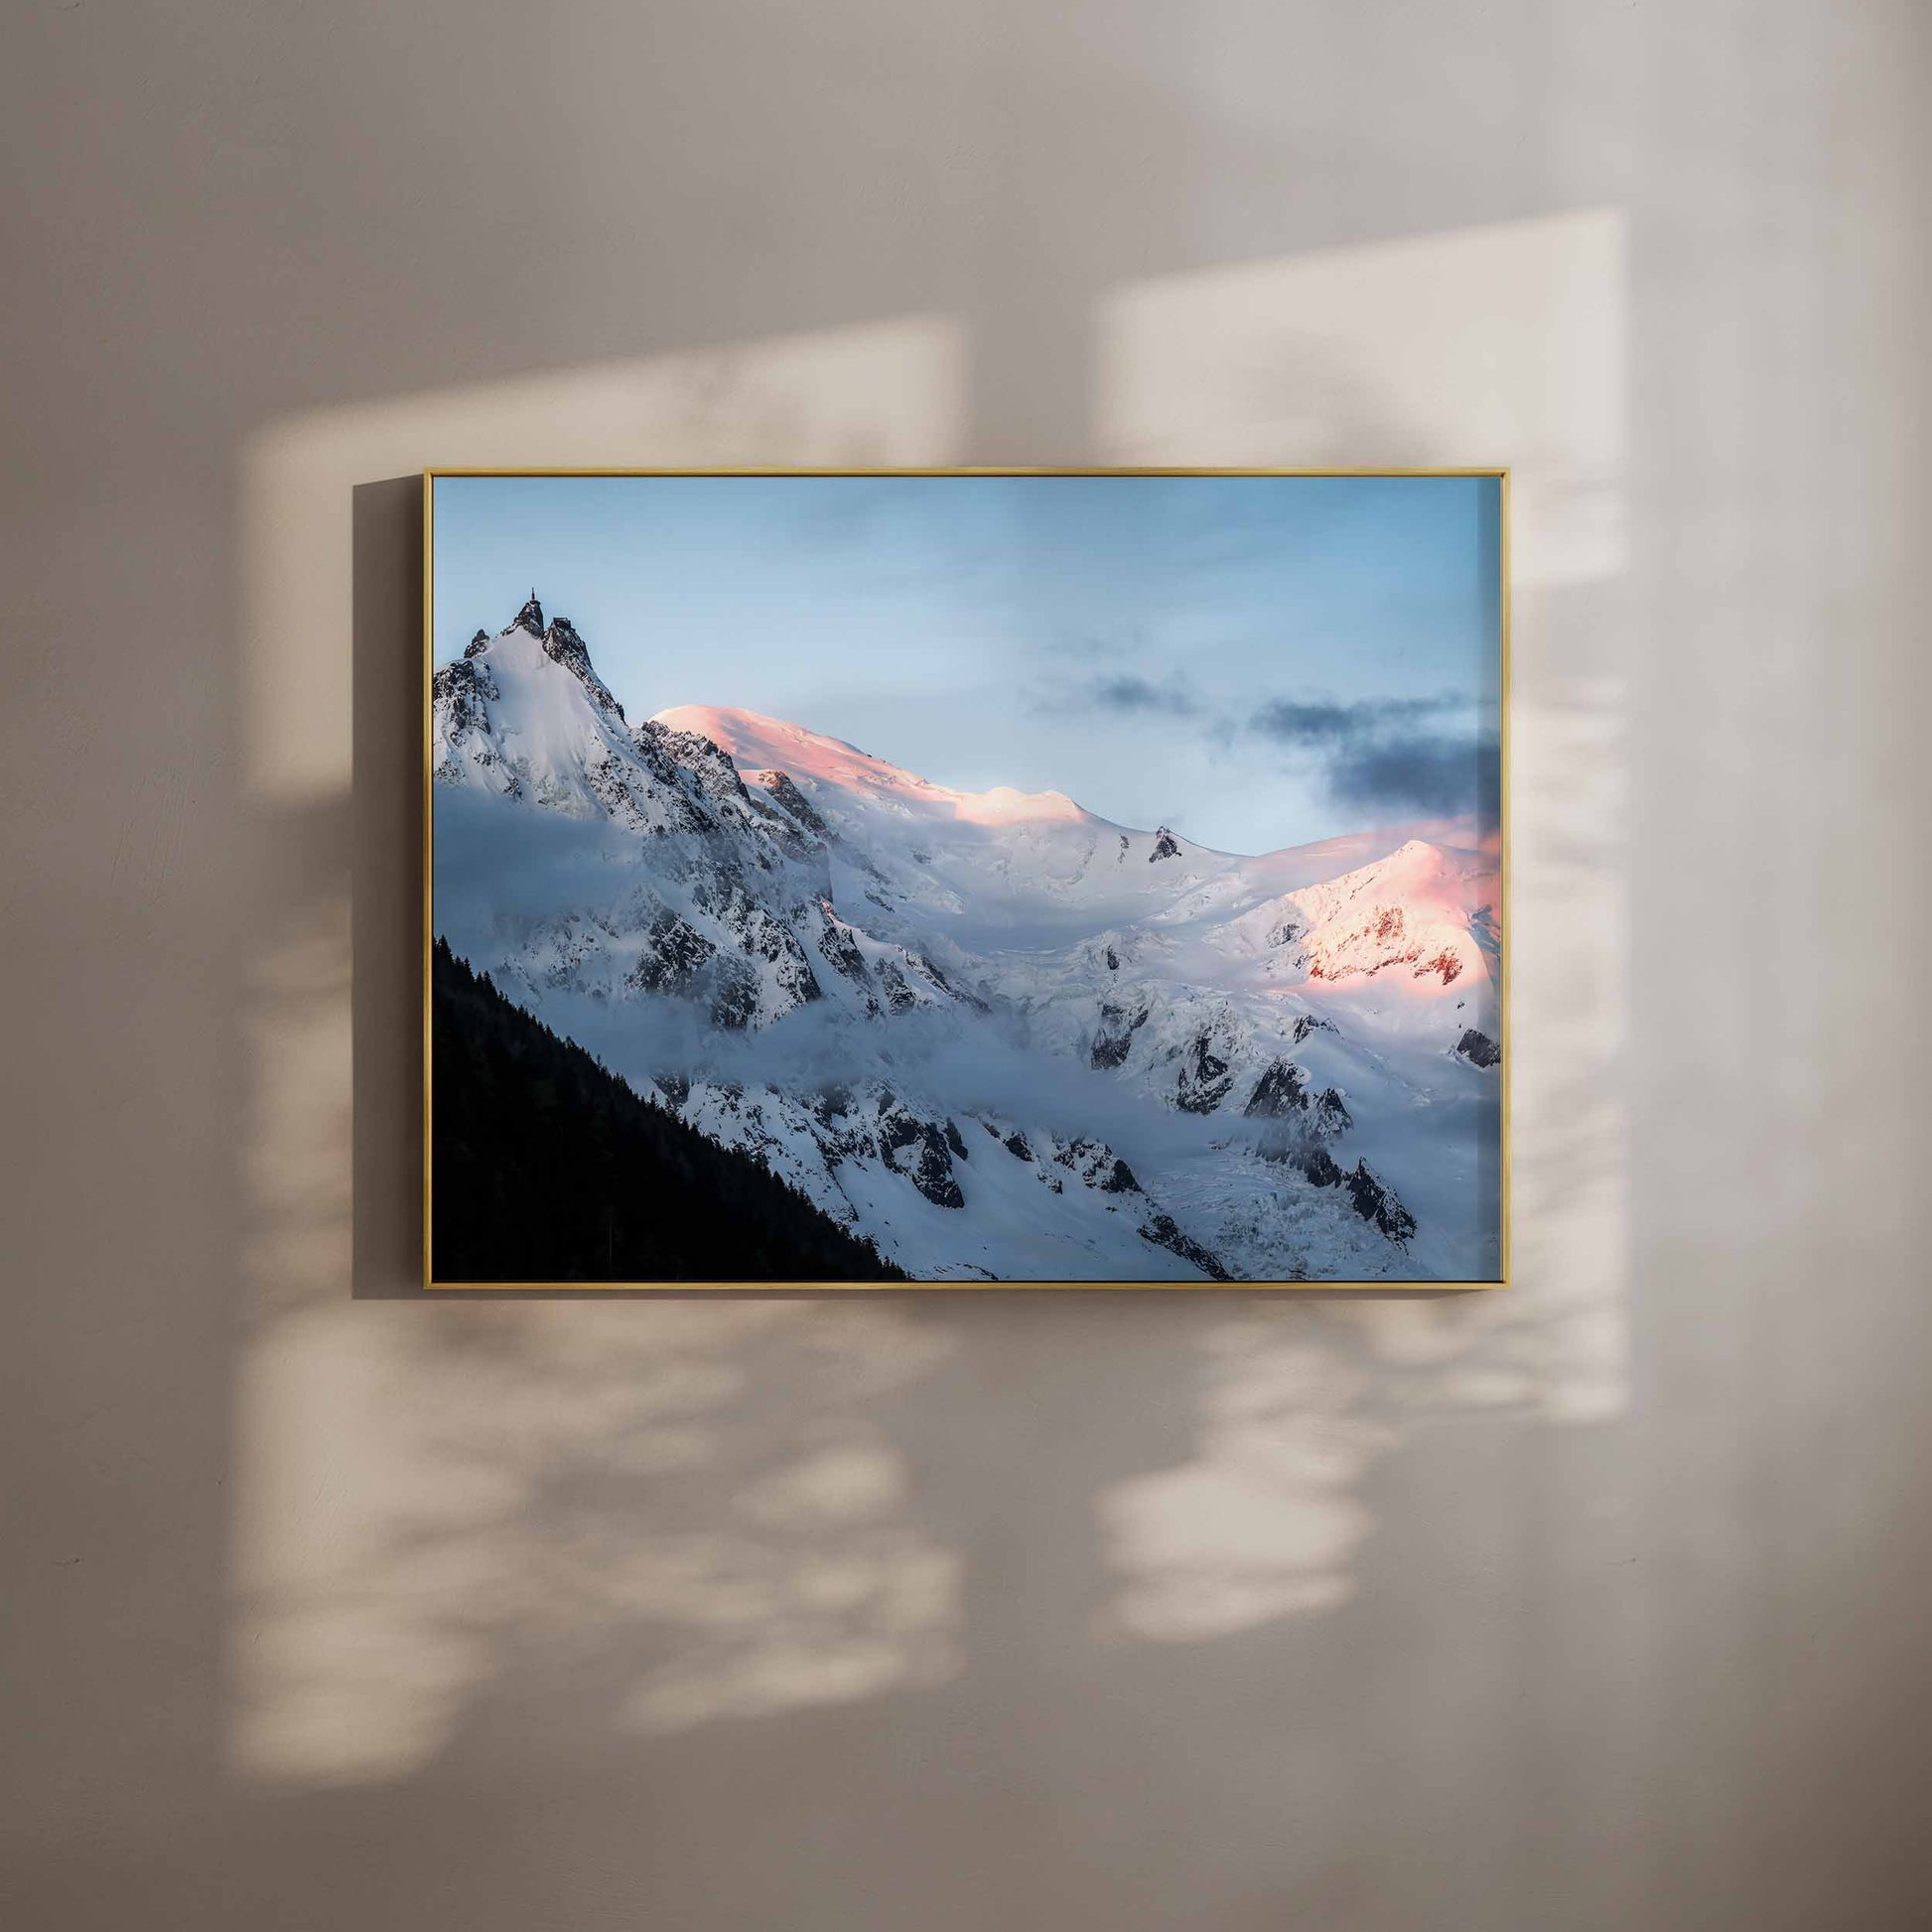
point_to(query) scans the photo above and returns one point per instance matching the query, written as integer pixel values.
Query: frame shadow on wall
(385, 918)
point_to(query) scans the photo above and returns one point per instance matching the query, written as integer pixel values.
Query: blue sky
(1256, 661)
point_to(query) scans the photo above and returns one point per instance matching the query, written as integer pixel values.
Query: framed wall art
(938, 878)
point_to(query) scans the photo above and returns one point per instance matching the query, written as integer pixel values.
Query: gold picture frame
(1498, 471)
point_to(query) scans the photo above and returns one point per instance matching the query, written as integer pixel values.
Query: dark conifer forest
(551, 1169)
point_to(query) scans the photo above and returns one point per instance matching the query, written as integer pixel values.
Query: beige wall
(1598, 1604)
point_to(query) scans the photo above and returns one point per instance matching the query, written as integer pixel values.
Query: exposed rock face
(844, 1131)
(1097, 1164)
(1204, 1079)
(1165, 1232)
(1375, 1201)
(1017, 1144)
(461, 694)
(562, 645)
(479, 642)
(899, 997)
(1115, 1038)
(1371, 1196)
(1308, 1023)
(930, 972)
(463, 691)
(1409, 909)
(839, 950)
(760, 936)
(530, 618)
(792, 838)
(734, 1005)
(784, 788)
(1164, 847)
(613, 784)
(1479, 1049)
(918, 1148)
(717, 775)
(672, 957)
(1279, 1091)
(1382, 940)
(1315, 1165)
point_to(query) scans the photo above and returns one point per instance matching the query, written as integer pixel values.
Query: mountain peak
(530, 618)
(814, 759)
(562, 646)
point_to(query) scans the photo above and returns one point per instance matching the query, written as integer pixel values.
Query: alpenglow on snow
(997, 1036)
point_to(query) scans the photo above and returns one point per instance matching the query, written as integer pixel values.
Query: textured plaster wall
(1597, 1605)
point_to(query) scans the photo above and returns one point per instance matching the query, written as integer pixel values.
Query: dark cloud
(1389, 756)
(1139, 694)
(1432, 756)
(1324, 723)
(1435, 775)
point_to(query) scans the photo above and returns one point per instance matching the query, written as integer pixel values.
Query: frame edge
(1505, 1275)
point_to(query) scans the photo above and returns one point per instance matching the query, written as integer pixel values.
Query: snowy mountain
(1001, 1036)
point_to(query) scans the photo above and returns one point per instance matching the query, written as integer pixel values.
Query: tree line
(550, 1168)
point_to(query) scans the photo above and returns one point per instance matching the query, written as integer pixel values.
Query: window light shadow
(1498, 344)
(427, 1491)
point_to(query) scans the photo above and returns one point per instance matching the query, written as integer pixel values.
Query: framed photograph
(901, 879)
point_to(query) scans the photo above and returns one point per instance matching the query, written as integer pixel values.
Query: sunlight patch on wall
(659, 1513)
(424, 1493)
(818, 1588)
(1502, 345)
(1264, 1521)
(888, 393)
(1498, 345)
